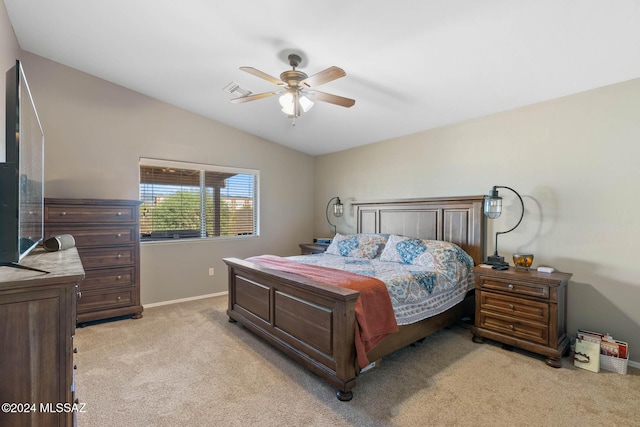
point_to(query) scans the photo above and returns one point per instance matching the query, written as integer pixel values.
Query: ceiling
(411, 65)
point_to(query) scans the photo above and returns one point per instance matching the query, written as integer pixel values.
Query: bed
(314, 323)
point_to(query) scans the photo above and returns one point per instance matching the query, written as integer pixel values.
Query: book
(609, 348)
(590, 336)
(587, 355)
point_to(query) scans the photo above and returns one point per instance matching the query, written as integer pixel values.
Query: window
(187, 200)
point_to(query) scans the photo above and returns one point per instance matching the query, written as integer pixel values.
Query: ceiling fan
(296, 97)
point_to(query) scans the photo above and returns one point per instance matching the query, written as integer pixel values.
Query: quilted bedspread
(417, 292)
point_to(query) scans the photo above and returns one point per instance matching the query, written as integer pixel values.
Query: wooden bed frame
(314, 323)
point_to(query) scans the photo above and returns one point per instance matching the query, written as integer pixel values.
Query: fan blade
(252, 97)
(323, 77)
(262, 75)
(334, 99)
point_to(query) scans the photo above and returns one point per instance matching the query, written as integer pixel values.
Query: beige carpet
(186, 365)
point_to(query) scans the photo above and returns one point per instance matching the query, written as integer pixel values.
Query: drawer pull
(79, 295)
(118, 277)
(511, 327)
(511, 306)
(510, 286)
(118, 298)
(63, 213)
(75, 349)
(119, 256)
(119, 214)
(118, 235)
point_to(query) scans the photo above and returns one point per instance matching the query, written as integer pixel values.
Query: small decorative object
(523, 260)
(492, 208)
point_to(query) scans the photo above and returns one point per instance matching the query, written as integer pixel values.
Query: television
(21, 173)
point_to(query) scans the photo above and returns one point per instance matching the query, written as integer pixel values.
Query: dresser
(523, 308)
(107, 235)
(37, 324)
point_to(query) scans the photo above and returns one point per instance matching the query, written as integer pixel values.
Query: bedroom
(573, 158)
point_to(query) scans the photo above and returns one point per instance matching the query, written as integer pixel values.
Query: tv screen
(21, 189)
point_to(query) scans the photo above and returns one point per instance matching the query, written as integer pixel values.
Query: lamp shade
(337, 210)
(492, 207)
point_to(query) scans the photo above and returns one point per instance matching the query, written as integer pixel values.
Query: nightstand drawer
(515, 327)
(516, 288)
(516, 307)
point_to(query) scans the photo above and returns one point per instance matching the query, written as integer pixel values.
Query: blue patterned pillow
(429, 253)
(357, 245)
(406, 250)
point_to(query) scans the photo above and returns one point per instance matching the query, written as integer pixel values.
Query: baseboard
(176, 301)
(634, 364)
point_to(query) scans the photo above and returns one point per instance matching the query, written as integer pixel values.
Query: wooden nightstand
(523, 308)
(312, 248)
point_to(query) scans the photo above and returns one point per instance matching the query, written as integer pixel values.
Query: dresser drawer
(515, 327)
(108, 278)
(104, 300)
(516, 288)
(107, 257)
(66, 214)
(517, 307)
(97, 236)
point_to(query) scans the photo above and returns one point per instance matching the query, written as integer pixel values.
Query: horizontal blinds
(181, 202)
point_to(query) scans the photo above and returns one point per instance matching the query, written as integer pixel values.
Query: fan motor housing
(292, 77)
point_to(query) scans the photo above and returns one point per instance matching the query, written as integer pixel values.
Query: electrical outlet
(211, 271)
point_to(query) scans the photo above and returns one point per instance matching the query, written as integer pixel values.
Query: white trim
(196, 166)
(634, 364)
(176, 301)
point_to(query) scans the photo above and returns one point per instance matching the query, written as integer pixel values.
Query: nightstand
(523, 308)
(312, 248)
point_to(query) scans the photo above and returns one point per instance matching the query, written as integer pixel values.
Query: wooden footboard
(311, 322)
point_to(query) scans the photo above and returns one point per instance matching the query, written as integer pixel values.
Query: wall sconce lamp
(492, 209)
(338, 210)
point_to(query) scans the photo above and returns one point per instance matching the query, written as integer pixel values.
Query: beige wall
(574, 160)
(95, 133)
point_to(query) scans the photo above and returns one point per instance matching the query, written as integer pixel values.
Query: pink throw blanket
(374, 313)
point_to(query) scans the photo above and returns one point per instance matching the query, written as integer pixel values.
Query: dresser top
(64, 264)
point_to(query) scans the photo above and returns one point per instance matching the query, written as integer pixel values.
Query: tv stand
(22, 267)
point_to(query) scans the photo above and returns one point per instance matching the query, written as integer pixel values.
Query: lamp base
(496, 260)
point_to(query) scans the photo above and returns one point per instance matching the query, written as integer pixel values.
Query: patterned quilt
(416, 291)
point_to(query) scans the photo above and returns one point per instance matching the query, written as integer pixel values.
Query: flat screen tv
(22, 173)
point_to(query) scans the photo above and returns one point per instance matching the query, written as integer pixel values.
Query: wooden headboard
(454, 219)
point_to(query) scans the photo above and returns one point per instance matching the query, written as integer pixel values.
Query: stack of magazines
(595, 350)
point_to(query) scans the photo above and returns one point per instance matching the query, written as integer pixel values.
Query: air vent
(235, 89)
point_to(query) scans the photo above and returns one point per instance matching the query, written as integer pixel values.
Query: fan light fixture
(294, 98)
(293, 101)
(492, 208)
(338, 210)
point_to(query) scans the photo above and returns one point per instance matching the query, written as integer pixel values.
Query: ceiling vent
(235, 89)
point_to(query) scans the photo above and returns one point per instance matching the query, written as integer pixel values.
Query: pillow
(428, 253)
(357, 245)
(406, 250)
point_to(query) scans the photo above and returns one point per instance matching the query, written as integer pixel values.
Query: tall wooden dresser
(37, 324)
(107, 235)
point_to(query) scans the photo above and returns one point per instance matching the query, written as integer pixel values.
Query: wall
(9, 52)
(95, 133)
(573, 160)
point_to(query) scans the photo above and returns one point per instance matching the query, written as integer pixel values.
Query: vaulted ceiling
(411, 65)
